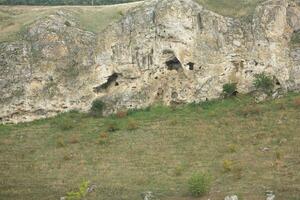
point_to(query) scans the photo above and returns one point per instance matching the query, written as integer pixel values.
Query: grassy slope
(45, 159)
(14, 19)
(231, 8)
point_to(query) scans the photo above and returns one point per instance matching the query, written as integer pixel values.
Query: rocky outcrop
(173, 51)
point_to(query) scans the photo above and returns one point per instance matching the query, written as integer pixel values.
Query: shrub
(80, 193)
(64, 123)
(264, 83)
(199, 184)
(60, 142)
(297, 103)
(97, 108)
(178, 170)
(132, 125)
(229, 89)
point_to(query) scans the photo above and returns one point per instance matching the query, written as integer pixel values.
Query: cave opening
(111, 80)
(191, 65)
(173, 64)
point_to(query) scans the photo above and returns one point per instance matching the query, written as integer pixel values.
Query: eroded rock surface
(173, 51)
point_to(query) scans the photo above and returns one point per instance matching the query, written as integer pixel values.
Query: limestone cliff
(173, 51)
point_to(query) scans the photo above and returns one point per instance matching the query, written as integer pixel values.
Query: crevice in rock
(200, 23)
(112, 80)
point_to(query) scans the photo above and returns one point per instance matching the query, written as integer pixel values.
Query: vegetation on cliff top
(246, 148)
(63, 2)
(14, 20)
(231, 8)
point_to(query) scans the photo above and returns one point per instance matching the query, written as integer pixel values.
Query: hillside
(181, 98)
(247, 148)
(15, 19)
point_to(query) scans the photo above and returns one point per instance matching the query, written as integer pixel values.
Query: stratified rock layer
(173, 51)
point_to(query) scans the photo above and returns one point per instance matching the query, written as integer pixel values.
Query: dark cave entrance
(173, 64)
(112, 80)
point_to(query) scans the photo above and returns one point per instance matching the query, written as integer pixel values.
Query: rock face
(173, 51)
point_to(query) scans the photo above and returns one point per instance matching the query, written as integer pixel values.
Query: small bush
(80, 193)
(227, 165)
(264, 83)
(97, 108)
(199, 184)
(229, 89)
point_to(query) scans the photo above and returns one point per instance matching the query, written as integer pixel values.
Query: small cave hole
(191, 65)
(173, 64)
(235, 93)
(277, 82)
(156, 77)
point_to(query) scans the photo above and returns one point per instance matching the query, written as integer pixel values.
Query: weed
(81, 192)
(121, 114)
(232, 148)
(97, 108)
(60, 142)
(278, 155)
(64, 123)
(103, 138)
(297, 103)
(112, 127)
(295, 40)
(178, 170)
(67, 157)
(229, 89)
(238, 171)
(199, 184)
(174, 122)
(132, 125)
(250, 110)
(74, 138)
(263, 82)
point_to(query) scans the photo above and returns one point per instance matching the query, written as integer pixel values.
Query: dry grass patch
(159, 156)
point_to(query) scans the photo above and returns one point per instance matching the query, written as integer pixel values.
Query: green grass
(46, 160)
(231, 8)
(295, 40)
